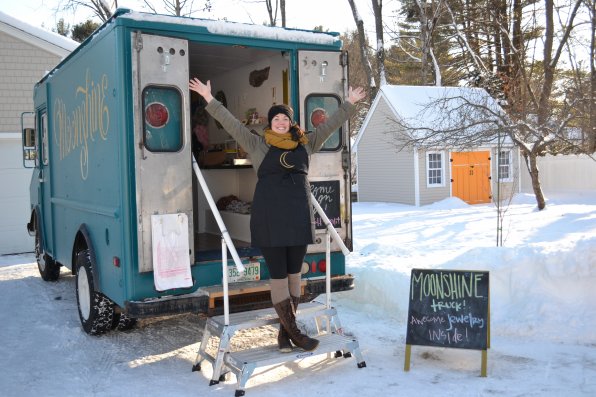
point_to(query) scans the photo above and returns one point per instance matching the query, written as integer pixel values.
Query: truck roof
(241, 34)
(238, 29)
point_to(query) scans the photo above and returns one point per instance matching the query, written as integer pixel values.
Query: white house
(388, 171)
(26, 54)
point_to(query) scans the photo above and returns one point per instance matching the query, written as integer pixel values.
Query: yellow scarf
(284, 141)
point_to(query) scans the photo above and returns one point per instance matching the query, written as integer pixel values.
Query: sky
(542, 316)
(335, 15)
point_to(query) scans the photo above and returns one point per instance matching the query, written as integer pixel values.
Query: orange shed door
(471, 176)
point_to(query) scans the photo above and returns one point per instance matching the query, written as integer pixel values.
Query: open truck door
(162, 137)
(320, 95)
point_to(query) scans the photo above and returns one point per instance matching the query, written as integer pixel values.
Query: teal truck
(114, 197)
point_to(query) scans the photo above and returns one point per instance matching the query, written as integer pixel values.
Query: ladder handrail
(331, 232)
(220, 223)
(329, 226)
(226, 241)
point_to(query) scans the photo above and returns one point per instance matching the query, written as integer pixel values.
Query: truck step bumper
(208, 301)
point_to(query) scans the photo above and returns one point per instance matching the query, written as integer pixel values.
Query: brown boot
(283, 339)
(287, 318)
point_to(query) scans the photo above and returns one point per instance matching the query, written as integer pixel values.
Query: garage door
(14, 198)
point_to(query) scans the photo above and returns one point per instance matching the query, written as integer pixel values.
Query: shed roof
(38, 37)
(425, 106)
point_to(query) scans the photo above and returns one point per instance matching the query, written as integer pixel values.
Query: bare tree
(179, 7)
(372, 86)
(272, 12)
(102, 9)
(592, 97)
(377, 6)
(273, 6)
(429, 14)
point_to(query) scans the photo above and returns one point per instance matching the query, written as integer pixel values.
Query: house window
(505, 166)
(435, 175)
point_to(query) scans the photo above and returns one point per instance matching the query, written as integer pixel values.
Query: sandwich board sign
(449, 308)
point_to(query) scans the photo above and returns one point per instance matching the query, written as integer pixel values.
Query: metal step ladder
(243, 363)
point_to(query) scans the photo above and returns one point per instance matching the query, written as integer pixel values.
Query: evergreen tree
(83, 30)
(61, 28)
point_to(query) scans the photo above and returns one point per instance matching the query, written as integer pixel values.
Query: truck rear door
(162, 135)
(322, 84)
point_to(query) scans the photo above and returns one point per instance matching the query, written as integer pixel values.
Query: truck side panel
(85, 100)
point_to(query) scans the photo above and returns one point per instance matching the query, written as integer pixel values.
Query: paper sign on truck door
(171, 263)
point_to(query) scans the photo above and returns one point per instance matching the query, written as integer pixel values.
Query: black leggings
(282, 261)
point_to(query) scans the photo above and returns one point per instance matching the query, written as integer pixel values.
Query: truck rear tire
(48, 268)
(122, 322)
(96, 311)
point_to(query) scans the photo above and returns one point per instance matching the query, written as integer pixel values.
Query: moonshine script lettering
(78, 127)
(443, 286)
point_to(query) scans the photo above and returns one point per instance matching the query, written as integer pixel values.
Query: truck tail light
(156, 114)
(322, 265)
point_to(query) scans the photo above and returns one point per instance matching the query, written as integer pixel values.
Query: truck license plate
(252, 272)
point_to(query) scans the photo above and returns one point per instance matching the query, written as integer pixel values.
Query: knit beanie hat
(280, 109)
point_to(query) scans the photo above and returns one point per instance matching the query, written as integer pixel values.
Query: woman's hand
(354, 95)
(200, 88)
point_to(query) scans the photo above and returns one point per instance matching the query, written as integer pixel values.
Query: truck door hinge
(345, 158)
(138, 41)
(343, 58)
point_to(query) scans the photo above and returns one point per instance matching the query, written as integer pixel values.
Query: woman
(282, 219)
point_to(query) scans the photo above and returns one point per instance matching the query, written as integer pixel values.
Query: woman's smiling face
(280, 123)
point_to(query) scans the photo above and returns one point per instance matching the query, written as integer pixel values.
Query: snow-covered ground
(543, 316)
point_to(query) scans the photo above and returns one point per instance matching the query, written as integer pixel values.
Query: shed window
(435, 169)
(505, 166)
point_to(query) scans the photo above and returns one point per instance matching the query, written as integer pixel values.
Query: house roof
(38, 37)
(421, 106)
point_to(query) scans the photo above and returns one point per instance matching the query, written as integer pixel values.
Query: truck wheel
(96, 311)
(122, 322)
(48, 268)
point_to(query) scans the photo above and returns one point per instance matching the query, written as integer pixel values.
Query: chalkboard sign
(448, 308)
(327, 194)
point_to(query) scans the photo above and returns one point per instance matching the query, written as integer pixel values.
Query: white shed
(26, 54)
(388, 172)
